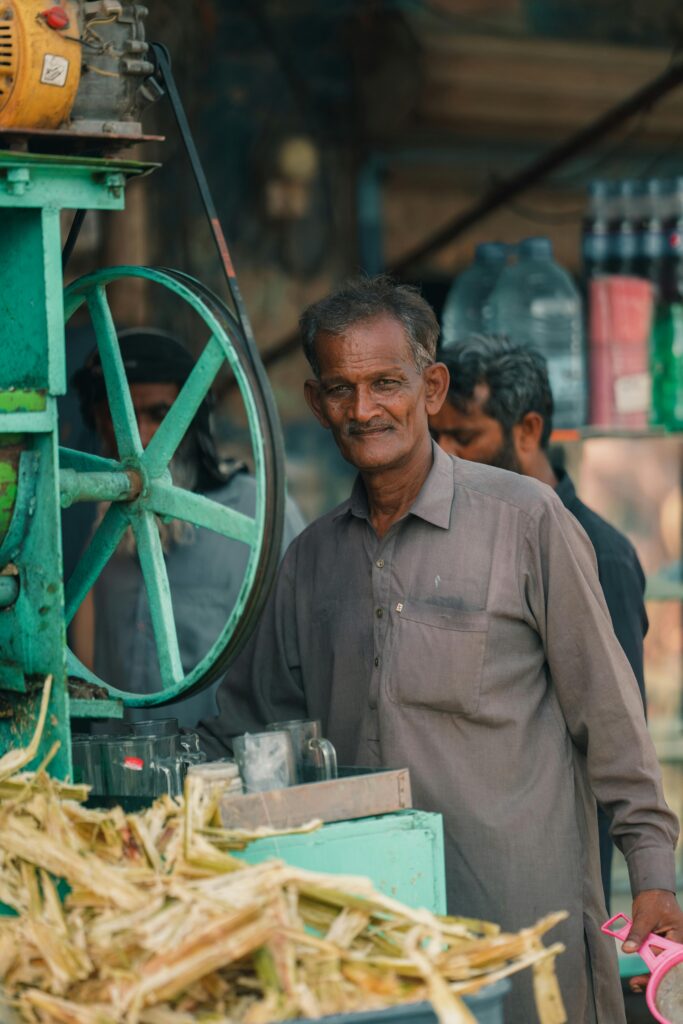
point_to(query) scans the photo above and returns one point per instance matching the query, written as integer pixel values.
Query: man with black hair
(499, 411)
(112, 632)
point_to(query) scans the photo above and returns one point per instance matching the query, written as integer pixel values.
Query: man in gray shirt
(449, 617)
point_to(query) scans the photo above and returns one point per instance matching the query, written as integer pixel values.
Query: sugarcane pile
(148, 918)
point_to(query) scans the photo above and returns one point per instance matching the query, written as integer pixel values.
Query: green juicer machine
(43, 172)
(54, 170)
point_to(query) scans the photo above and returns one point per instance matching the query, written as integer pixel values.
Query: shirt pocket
(439, 659)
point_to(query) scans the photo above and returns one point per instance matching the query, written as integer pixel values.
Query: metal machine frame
(37, 478)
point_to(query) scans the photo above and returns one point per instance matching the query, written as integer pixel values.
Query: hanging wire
(539, 216)
(580, 175)
(461, 21)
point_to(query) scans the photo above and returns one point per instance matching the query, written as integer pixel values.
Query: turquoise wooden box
(402, 853)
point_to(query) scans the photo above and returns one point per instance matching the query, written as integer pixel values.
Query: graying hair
(366, 298)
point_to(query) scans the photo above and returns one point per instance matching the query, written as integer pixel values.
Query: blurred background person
(112, 632)
(499, 411)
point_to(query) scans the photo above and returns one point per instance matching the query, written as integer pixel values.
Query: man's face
(474, 435)
(371, 396)
(151, 403)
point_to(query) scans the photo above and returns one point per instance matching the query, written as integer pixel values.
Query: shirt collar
(433, 503)
(565, 489)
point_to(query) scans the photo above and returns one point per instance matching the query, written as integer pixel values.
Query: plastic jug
(465, 311)
(536, 303)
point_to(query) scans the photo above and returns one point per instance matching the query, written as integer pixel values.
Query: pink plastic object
(620, 319)
(659, 954)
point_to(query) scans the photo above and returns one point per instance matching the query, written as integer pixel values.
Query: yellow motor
(40, 62)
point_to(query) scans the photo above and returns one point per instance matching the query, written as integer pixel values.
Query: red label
(136, 764)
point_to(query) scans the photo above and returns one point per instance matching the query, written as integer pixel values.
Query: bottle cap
(536, 248)
(490, 252)
(599, 188)
(656, 187)
(630, 187)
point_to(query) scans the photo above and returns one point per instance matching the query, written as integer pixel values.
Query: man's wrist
(652, 868)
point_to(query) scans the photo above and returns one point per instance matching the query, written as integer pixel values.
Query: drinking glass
(133, 770)
(156, 727)
(222, 775)
(266, 760)
(174, 749)
(316, 758)
(87, 767)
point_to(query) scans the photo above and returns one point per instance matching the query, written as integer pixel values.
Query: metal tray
(487, 1007)
(357, 793)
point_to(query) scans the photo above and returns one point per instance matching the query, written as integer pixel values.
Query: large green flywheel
(140, 489)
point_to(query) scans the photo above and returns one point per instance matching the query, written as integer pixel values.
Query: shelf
(660, 588)
(669, 751)
(616, 433)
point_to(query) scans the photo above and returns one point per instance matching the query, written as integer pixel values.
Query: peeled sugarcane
(162, 925)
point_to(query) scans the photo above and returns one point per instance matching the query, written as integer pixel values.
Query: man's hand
(654, 910)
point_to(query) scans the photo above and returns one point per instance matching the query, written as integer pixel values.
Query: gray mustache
(367, 428)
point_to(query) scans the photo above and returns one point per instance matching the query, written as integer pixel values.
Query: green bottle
(667, 366)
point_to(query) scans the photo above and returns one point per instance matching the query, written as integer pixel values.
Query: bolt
(115, 183)
(18, 180)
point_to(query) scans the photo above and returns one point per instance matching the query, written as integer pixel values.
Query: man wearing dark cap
(113, 632)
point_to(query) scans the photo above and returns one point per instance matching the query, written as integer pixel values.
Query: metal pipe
(540, 168)
(528, 176)
(369, 205)
(114, 486)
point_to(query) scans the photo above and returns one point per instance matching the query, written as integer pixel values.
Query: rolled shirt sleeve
(595, 688)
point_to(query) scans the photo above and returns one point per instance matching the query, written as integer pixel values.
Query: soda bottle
(672, 284)
(595, 233)
(667, 334)
(626, 214)
(651, 235)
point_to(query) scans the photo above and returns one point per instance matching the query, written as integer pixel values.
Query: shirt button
(380, 563)
(379, 613)
(376, 662)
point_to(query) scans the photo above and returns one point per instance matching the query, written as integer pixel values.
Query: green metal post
(33, 191)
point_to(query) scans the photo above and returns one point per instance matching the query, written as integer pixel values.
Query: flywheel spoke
(93, 560)
(171, 431)
(118, 393)
(86, 462)
(154, 571)
(176, 503)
